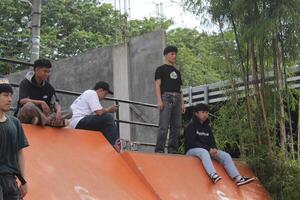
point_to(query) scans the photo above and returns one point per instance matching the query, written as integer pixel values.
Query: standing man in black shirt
(12, 141)
(169, 101)
(37, 98)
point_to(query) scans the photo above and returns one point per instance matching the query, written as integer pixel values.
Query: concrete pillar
(35, 30)
(121, 85)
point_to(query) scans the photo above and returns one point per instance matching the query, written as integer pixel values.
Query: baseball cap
(103, 85)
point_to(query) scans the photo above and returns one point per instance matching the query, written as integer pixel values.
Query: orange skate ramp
(183, 178)
(68, 164)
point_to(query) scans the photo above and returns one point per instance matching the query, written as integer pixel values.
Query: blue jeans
(104, 123)
(222, 157)
(169, 116)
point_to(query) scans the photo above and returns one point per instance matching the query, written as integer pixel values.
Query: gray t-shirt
(12, 139)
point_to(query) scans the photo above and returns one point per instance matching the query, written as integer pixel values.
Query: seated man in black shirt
(37, 98)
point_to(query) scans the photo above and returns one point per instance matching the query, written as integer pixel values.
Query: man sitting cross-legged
(38, 103)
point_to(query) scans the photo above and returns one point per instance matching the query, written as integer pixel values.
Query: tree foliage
(201, 56)
(267, 37)
(72, 27)
(68, 28)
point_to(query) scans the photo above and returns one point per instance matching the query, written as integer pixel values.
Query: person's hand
(213, 152)
(160, 105)
(45, 108)
(23, 190)
(112, 108)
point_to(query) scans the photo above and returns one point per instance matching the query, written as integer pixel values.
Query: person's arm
(212, 142)
(42, 104)
(212, 139)
(158, 94)
(189, 137)
(23, 187)
(182, 102)
(93, 102)
(110, 109)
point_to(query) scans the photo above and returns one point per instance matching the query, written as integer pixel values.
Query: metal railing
(217, 92)
(116, 100)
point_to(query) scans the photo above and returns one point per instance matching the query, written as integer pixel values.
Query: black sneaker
(244, 180)
(215, 177)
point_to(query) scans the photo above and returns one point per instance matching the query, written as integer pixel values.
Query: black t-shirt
(170, 78)
(33, 91)
(12, 139)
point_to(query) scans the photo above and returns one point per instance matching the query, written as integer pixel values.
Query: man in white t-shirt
(89, 114)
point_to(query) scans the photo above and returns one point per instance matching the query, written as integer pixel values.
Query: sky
(171, 9)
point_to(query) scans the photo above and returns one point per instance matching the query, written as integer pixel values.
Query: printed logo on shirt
(202, 133)
(173, 75)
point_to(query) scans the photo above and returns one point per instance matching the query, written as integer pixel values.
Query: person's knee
(110, 118)
(226, 156)
(29, 106)
(199, 152)
(203, 153)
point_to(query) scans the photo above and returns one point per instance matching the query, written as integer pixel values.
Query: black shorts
(8, 187)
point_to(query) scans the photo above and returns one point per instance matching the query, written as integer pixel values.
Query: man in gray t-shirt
(12, 141)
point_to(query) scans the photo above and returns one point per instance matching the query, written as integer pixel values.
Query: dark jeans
(169, 116)
(8, 188)
(104, 123)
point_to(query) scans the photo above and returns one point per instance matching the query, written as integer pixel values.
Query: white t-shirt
(86, 104)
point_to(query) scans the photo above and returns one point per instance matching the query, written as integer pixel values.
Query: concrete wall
(145, 55)
(129, 69)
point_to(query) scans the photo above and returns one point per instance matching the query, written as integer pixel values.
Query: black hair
(169, 49)
(201, 107)
(102, 85)
(6, 88)
(4, 85)
(44, 63)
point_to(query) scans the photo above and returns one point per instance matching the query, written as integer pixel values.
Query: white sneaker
(244, 180)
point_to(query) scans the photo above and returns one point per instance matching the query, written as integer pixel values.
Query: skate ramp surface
(175, 177)
(69, 164)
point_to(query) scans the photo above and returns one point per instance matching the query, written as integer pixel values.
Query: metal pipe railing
(16, 61)
(116, 100)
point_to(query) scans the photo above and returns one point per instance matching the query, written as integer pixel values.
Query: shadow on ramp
(69, 164)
